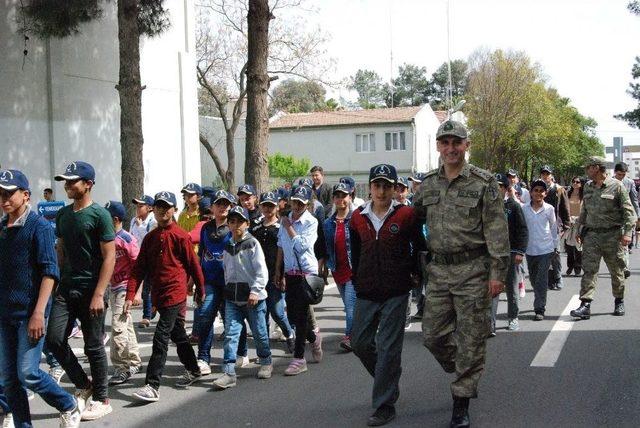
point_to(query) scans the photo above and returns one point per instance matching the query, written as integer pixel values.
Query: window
(395, 141)
(365, 143)
(636, 162)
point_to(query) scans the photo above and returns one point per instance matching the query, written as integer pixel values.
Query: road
(581, 374)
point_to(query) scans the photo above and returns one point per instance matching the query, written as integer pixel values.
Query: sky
(586, 48)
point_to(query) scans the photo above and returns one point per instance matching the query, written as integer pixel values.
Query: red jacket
(166, 260)
(383, 262)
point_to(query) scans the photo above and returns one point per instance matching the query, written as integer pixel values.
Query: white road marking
(550, 350)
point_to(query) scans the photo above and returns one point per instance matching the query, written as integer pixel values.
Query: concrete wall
(213, 129)
(62, 105)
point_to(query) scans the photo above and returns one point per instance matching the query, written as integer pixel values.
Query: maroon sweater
(383, 262)
(166, 260)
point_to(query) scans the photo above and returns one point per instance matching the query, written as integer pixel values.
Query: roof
(346, 117)
(441, 115)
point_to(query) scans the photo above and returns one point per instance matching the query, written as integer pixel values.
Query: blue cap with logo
(247, 189)
(342, 188)
(348, 180)
(77, 170)
(204, 205)
(301, 193)
(418, 177)
(166, 197)
(145, 199)
(12, 179)
(240, 212)
(116, 209)
(223, 194)
(383, 172)
(539, 183)
(269, 198)
(403, 182)
(503, 180)
(306, 181)
(192, 188)
(283, 193)
(208, 191)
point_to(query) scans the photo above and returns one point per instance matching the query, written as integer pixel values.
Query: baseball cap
(77, 170)
(306, 182)
(208, 191)
(247, 189)
(512, 173)
(451, 128)
(116, 209)
(546, 168)
(192, 188)
(503, 180)
(539, 183)
(239, 211)
(144, 199)
(204, 205)
(12, 179)
(418, 177)
(348, 180)
(342, 188)
(385, 172)
(403, 182)
(283, 193)
(301, 193)
(269, 198)
(166, 197)
(596, 160)
(223, 194)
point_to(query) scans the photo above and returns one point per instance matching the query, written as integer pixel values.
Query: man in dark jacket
(321, 189)
(558, 199)
(518, 238)
(382, 233)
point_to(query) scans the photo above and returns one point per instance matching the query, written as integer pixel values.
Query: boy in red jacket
(168, 260)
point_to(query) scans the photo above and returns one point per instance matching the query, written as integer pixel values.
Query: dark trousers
(298, 313)
(67, 306)
(377, 336)
(170, 326)
(538, 268)
(555, 273)
(574, 257)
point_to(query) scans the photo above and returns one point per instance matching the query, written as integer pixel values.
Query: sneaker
(30, 395)
(135, 370)
(205, 368)
(538, 317)
(296, 366)
(144, 323)
(291, 343)
(242, 362)
(82, 396)
(119, 377)
(627, 273)
(492, 333)
(345, 344)
(316, 349)
(277, 335)
(407, 323)
(187, 379)
(513, 325)
(96, 410)
(70, 419)
(56, 373)
(147, 393)
(7, 422)
(225, 381)
(265, 371)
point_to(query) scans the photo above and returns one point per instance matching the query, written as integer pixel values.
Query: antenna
(391, 53)
(450, 88)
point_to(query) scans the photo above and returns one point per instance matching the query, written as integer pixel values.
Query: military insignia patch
(448, 126)
(394, 228)
(493, 193)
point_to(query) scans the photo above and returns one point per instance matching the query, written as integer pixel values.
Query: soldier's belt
(460, 257)
(603, 229)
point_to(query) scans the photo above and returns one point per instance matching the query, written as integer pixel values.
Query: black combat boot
(619, 307)
(583, 312)
(460, 416)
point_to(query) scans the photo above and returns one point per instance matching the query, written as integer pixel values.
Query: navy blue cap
(283, 193)
(208, 191)
(247, 189)
(269, 198)
(385, 172)
(301, 193)
(342, 188)
(403, 182)
(546, 168)
(167, 197)
(145, 199)
(12, 179)
(116, 209)
(77, 170)
(512, 173)
(306, 181)
(503, 179)
(192, 188)
(348, 180)
(223, 194)
(539, 183)
(418, 177)
(239, 211)
(204, 205)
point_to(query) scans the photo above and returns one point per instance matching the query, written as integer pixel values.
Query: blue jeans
(20, 369)
(147, 307)
(3, 402)
(348, 294)
(235, 316)
(275, 308)
(203, 317)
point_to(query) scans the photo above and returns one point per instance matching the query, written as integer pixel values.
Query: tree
(410, 88)
(287, 167)
(51, 18)
(633, 117)
(368, 85)
(295, 96)
(439, 84)
(295, 49)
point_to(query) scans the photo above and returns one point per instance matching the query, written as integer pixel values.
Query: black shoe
(419, 314)
(619, 308)
(382, 416)
(578, 272)
(627, 273)
(460, 416)
(583, 312)
(569, 271)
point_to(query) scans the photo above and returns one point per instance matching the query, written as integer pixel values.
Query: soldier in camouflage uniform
(605, 225)
(469, 246)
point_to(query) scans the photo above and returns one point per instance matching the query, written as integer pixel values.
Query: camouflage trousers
(602, 245)
(457, 321)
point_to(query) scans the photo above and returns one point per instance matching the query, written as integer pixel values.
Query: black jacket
(557, 198)
(518, 232)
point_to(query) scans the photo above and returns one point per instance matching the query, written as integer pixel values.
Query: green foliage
(410, 88)
(295, 96)
(633, 117)
(368, 85)
(287, 167)
(439, 84)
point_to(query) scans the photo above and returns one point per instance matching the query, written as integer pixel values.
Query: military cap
(512, 173)
(595, 161)
(451, 128)
(546, 168)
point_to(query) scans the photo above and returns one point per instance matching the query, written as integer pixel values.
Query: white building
(62, 105)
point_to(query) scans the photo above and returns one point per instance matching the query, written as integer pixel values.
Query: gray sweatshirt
(245, 270)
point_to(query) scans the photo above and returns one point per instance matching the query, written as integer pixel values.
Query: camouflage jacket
(607, 207)
(464, 214)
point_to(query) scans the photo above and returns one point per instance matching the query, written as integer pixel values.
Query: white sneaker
(277, 334)
(82, 396)
(205, 368)
(242, 362)
(265, 371)
(70, 419)
(96, 410)
(7, 422)
(147, 393)
(56, 373)
(30, 395)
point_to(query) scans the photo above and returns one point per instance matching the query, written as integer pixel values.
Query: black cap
(502, 179)
(539, 183)
(385, 172)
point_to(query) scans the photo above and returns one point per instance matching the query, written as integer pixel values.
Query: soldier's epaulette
(482, 173)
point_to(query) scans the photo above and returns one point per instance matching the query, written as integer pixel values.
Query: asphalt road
(593, 382)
